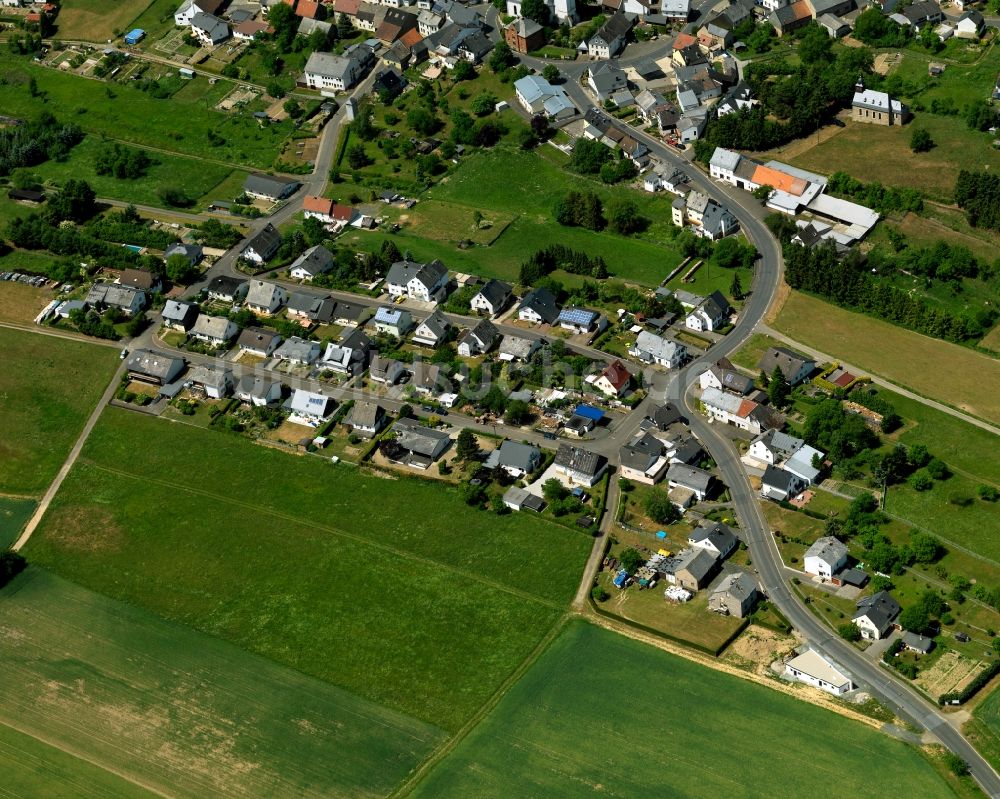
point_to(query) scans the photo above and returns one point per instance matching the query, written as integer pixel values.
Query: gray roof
(315, 261)
(787, 361)
(255, 386)
(414, 437)
(211, 376)
(257, 338)
(115, 295)
(348, 310)
(731, 379)
(382, 368)
(262, 293)
(315, 308)
(496, 292)
(425, 375)
(617, 25)
(225, 284)
(298, 349)
(779, 442)
(665, 415)
(216, 28)
(216, 327)
(578, 459)
(697, 562)
(436, 324)
(689, 477)
(718, 534)
(738, 585)
(365, 414)
(311, 403)
(178, 310)
(486, 332)
(880, 609)
(429, 274)
(155, 364)
(269, 185)
(921, 643)
(828, 549)
(517, 455)
(517, 346)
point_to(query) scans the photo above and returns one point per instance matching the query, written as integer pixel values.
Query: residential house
(348, 314)
(735, 596)
(309, 407)
(515, 458)
(614, 379)
(650, 348)
(258, 341)
(367, 418)
(691, 478)
(875, 615)
(430, 22)
(519, 499)
(579, 466)
(921, 14)
(329, 72)
(691, 568)
(791, 17)
(813, 669)
(795, 367)
(714, 537)
(141, 279)
(577, 320)
(265, 298)
(707, 218)
(395, 22)
(215, 382)
(193, 253)
(433, 331)
(606, 79)
(970, 25)
(147, 366)
(643, 460)
(476, 47)
(666, 416)
(524, 35)
(772, 447)
(214, 330)
(179, 315)
(250, 29)
(518, 348)
(309, 309)
(739, 411)
(803, 464)
(209, 29)
(424, 282)
(479, 340)
(877, 108)
(914, 642)
(416, 445)
(538, 306)
(736, 99)
(492, 298)
(710, 315)
(258, 391)
(227, 289)
(825, 557)
(780, 485)
(315, 261)
(187, 10)
(263, 246)
(836, 27)
(385, 370)
(539, 97)
(392, 321)
(320, 208)
(269, 187)
(298, 351)
(110, 295)
(349, 356)
(611, 37)
(723, 375)
(427, 378)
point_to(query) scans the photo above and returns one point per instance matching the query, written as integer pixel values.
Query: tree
(466, 446)
(815, 44)
(518, 413)
(463, 70)
(285, 25)
(778, 389)
(423, 121)
(849, 631)
(502, 58)
(631, 559)
(473, 493)
(345, 30)
(914, 618)
(736, 287)
(74, 201)
(624, 218)
(11, 565)
(659, 508)
(600, 594)
(483, 103)
(357, 158)
(926, 548)
(553, 490)
(589, 155)
(292, 108)
(537, 10)
(920, 140)
(988, 493)
(551, 73)
(937, 469)
(180, 270)
(540, 126)
(921, 481)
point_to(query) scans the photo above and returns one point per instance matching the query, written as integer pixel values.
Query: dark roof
(26, 194)
(270, 185)
(267, 240)
(880, 609)
(617, 25)
(578, 459)
(495, 292)
(779, 478)
(225, 284)
(543, 302)
(721, 536)
(855, 577)
(666, 415)
(317, 309)
(257, 338)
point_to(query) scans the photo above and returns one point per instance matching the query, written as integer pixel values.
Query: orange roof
(411, 37)
(746, 408)
(684, 40)
(342, 213)
(801, 10)
(251, 27)
(307, 9)
(782, 181)
(318, 205)
(349, 7)
(617, 375)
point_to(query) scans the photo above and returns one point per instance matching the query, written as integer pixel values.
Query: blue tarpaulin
(661, 534)
(589, 412)
(134, 36)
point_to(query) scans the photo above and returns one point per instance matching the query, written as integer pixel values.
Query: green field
(985, 728)
(181, 713)
(936, 369)
(391, 588)
(483, 180)
(14, 514)
(126, 113)
(49, 387)
(603, 715)
(960, 83)
(196, 177)
(96, 20)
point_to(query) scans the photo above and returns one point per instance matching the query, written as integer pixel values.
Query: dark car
(549, 436)
(963, 637)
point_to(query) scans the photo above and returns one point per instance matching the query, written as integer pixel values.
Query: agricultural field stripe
(326, 528)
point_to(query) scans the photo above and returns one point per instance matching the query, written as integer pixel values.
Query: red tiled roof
(308, 9)
(318, 205)
(251, 27)
(617, 375)
(342, 213)
(349, 7)
(776, 179)
(411, 37)
(844, 380)
(684, 40)
(746, 408)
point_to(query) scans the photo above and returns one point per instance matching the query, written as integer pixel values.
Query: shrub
(599, 594)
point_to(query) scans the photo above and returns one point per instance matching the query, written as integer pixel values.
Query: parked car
(123, 355)
(963, 637)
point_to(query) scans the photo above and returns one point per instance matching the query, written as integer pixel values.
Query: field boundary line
(61, 334)
(333, 531)
(487, 707)
(74, 754)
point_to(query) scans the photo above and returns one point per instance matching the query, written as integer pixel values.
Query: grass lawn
(937, 369)
(20, 302)
(49, 387)
(749, 355)
(983, 729)
(126, 113)
(873, 152)
(156, 19)
(196, 177)
(960, 83)
(96, 20)
(600, 714)
(181, 713)
(424, 612)
(14, 514)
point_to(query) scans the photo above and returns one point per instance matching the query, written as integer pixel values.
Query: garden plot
(951, 674)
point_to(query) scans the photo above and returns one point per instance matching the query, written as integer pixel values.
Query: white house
(258, 391)
(614, 379)
(424, 282)
(714, 537)
(299, 351)
(578, 466)
(314, 261)
(215, 330)
(263, 246)
(539, 307)
(265, 298)
(215, 382)
(650, 348)
(875, 615)
(710, 315)
(392, 321)
(738, 411)
(825, 557)
(310, 408)
(610, 37)
(690, 478)
(433, 331)
(326, 71)
(492, 297)
(478, 340)
(209, 29)
(813, 669)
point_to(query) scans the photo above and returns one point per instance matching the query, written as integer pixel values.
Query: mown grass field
(873, 152)
(14, 514)
(937, 369)
(178, 712)
(391, 588)
(961, 83)
(983, 729)
(96, 20)
(485, 181)
(49, 387)
(196, 177)
(603, 715)
(126, 113)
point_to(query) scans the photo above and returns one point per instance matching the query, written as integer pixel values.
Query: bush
(849, 632)
(599, 594)
(988, 493)
(11, 565)
(956, 765)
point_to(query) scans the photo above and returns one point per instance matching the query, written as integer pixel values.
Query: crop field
(603, 715)
(96, 20)
(49, 387)
(937, 369)
(986, 728)
(14, 514)
(127, 113)
(182, 713)
(20, 302)
(196, 177)
(425, 606)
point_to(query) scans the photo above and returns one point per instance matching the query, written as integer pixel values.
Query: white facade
(813, 669)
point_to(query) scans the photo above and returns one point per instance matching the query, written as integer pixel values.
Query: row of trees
(584, 209)
(978, 194)
(36, 141)
(556, 256)
(883, 199)
(590, 157)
